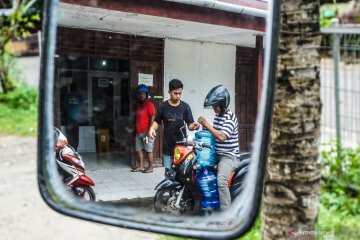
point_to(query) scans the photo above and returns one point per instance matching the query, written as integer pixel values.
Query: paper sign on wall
(146, 79)
(103, 82)
(65, 81)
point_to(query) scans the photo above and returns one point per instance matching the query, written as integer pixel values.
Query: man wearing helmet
(225, 131)
(174, 113)
(145, 114)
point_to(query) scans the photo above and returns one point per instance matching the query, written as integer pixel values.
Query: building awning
(234, 28)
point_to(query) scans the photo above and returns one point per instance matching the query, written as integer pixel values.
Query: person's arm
(194, 126)
(151, 111)
(152, 130)
(155, 121)
(216, 133)
(151, 122)
(189, 119)
(152, 119)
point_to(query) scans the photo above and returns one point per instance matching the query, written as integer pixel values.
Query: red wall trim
(178, 11)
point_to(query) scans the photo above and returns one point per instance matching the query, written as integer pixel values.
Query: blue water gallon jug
(206, 183)
(205, 157)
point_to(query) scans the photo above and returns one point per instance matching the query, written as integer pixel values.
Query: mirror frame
(211, 227)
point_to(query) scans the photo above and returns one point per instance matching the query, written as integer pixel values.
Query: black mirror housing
(228, 224)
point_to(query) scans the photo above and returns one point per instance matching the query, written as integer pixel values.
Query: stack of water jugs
(206, 180)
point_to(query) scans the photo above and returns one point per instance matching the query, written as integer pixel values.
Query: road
(23, 213)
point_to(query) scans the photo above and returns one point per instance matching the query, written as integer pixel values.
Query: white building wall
(29, 68)
(200, 66)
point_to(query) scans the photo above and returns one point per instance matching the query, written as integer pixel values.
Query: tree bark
(292, 182)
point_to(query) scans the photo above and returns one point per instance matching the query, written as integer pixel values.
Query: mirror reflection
(155, 103)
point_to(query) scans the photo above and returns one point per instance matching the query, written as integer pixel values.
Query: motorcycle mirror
(182, 130)
(104, 50)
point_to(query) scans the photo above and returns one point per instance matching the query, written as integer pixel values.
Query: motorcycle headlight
(190, 157)
(177, 155)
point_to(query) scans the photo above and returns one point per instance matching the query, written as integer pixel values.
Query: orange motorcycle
(191, 185)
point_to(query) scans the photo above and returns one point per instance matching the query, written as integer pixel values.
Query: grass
(344, 227)
(18, 121)
(255, 232)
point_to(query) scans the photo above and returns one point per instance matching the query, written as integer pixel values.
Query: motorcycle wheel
(165, 200)
(85, 193)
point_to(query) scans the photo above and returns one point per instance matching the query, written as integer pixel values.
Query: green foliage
(17, 24)
(22, 97)
(18, 121)
(8, 71)
(341, 180)
(255, 232)
(344, 227)
(18, 112)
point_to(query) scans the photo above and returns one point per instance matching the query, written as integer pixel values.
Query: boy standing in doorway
(145, 114)
(174, 113)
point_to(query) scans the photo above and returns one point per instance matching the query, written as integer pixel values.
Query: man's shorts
(141, 144)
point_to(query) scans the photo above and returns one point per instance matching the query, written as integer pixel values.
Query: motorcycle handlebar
(206, 146)
(194, 144)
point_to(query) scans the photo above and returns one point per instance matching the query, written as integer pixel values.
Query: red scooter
(72, 168)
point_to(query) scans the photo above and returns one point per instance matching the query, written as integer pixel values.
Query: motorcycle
(179, 192)
(72, 168)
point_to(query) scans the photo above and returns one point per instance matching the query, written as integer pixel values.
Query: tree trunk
(3, 77)
(292, 183)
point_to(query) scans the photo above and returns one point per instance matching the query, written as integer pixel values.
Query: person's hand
(202, 121)
(196, 126)
(152, 134)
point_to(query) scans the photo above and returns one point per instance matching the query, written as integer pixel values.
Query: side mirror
(108, 48)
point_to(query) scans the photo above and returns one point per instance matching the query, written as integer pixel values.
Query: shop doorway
(150, 74)
(246, 86)
(109, 108)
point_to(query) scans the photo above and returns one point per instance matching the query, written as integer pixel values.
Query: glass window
(103, 64)
(73, 62)
(74, 82)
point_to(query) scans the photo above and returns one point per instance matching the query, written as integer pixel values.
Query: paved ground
(114, 180)
(23, 213)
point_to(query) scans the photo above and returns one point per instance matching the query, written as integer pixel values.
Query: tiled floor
(114, 180)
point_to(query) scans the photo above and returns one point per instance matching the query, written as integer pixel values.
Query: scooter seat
(239, 175)
(244, 161)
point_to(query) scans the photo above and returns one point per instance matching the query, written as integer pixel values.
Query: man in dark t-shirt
(174, 113)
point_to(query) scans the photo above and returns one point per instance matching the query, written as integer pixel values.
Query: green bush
(22, 97)
(344, 227)
(341, 180)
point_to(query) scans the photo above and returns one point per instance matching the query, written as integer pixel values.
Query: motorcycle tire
(165, 199)
(85, 193)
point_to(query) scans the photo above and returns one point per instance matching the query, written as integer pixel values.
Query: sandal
(148, 170)
(137, 170)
